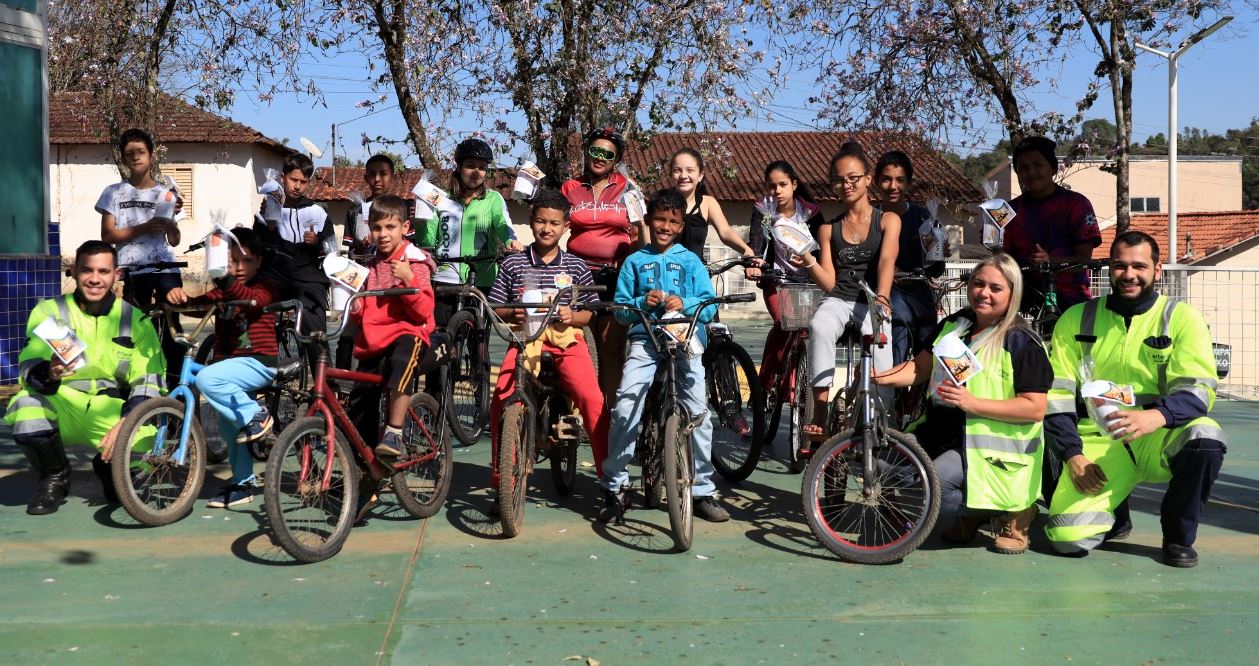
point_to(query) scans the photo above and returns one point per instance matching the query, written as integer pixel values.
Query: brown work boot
(1013, 531)
(964, 530)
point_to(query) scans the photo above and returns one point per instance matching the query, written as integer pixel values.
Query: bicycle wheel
(424, 469)
(215, 447)
(888, 524)
(736, 407)
(515, 458)
(679, 475)
(310, 522)
(649, 455)
(155, 484)
(801, 392)
(467, 379)
(592, 347)
(564, 452)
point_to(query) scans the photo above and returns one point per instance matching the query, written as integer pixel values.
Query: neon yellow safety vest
(1003, 460)
(1163, 350)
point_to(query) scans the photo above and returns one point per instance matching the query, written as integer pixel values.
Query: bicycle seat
(548, 365)
(288, 371)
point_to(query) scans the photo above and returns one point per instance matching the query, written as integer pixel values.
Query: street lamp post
(1172, 57)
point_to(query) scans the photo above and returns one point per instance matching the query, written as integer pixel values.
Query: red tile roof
(1203, 234)
(809, 152)
(736, 178)
(72, 119)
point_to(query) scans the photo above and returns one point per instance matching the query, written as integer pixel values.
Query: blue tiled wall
(25, 280)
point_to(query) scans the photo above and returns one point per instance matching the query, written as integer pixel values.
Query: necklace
(850, 235)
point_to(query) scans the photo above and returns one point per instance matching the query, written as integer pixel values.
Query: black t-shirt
(946, 426)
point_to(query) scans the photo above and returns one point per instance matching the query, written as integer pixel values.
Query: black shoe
(709, 509)
(51, 492)
(614, 507)
(1176, 555)
(493, 509)
(106, 476)
(1119, 532)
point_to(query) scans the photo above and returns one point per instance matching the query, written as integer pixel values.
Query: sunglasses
(597, 153)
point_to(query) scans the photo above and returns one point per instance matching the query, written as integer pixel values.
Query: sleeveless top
(694, 230)
(854, 262)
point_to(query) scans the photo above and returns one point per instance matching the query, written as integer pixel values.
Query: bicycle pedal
(568, 428)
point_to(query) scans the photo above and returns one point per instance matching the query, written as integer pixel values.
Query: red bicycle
(312, 484)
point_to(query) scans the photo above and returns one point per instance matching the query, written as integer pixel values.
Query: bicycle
(311, 478)
(536, 413)
(664, 441)
(791, 385)
(870, 493)
(467, 379)
(734, 395)
(159, 456)
(1040, 309)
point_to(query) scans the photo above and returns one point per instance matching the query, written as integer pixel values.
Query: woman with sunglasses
(602, 236)
(861, 244)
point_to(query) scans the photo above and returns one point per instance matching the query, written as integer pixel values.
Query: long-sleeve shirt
(676, 272)
(297, 261)
(384, 319)
(244, 331)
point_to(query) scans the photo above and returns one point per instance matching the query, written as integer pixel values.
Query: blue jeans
(229, 386)
(912, 311)
(640, 370)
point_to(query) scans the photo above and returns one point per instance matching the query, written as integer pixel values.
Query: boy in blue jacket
(661, 277)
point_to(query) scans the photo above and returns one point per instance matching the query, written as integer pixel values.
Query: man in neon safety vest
(60, 403)
(1162, 349)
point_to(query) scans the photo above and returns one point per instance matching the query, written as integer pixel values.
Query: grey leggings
(832, 317)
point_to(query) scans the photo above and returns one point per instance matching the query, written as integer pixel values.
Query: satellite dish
(310, 147)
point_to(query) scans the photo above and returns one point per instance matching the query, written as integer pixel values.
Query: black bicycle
(870, 493)
(1040, 305)
(664, 440)
(736, 401)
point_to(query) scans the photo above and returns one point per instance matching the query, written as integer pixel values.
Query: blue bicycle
(159, 456)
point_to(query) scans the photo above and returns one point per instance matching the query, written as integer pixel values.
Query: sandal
(814, 432)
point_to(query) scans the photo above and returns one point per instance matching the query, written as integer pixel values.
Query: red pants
(576, 376)
(775, 341)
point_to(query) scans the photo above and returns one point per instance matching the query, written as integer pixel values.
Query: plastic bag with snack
(65, 344)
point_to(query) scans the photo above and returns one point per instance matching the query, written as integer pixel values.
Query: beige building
(216, 164)
(1205, 183)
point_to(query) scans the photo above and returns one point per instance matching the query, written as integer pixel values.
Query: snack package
(797, 239)
(218, 251)
(67, 346)
(166, 202)
(680, 331)
(633, 198)
(272, 196)
(528, 175)
(364, 209)
(343, 271)
(931, 233)
(1103, 398)
(428, 196)
(956, 359)
(997, 215)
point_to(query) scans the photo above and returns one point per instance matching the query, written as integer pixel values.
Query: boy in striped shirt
(544, 266)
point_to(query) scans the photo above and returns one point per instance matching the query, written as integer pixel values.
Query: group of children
(280, 258)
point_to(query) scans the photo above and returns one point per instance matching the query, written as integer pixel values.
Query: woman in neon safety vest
(984, 432)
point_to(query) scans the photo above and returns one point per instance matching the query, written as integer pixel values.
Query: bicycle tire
(679, 476)
(166, 489)
(592, 347)
(322, 535)
(908, 496)
(515, 459)
(564, 453)
(736, 440)
(801, 414)
(215, 447)
(649, 455)
(467, 381)
(422, 487)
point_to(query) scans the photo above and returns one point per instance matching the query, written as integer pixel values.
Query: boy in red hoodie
(393, 330)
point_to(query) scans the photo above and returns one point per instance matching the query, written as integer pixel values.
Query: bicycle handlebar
(210, 310)
(142, 269)
(554, 305)
(324, 335)
(725, 265)
(650, 322)
(1062, 265)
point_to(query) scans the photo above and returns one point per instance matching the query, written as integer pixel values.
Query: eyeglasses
(597, 153)
(849, 181)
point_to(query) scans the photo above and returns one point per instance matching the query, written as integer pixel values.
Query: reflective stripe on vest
(1088, 322)
(124, 333)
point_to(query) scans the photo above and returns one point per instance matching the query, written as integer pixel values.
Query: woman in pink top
(602, 236)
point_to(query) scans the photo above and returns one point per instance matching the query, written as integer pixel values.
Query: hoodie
(297, 260)
(677, 272)
(384, 319)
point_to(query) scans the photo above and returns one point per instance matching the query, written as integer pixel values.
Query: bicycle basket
(798, 303)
